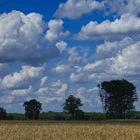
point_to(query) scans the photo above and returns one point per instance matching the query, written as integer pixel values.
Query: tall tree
(118, 97)
(72, 105)
(3, 114)
(32, 109)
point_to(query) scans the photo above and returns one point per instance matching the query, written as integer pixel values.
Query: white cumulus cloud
(55, 31)
(126, 25)
(22, 39)
(74, 9)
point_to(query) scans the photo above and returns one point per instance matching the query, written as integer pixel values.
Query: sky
(52, 49)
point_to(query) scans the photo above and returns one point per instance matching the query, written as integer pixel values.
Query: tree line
(117, 98)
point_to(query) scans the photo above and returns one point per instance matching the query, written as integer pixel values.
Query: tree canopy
(118, 97)
(32, 109)
(72, 105)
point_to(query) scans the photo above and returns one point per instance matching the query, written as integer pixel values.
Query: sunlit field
(24, 130)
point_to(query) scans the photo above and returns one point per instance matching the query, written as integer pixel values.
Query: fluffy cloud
(74, 77)
(119, 7)
(62, 89)
(127, 25)
(61, 46)
(22, 39)
(119, 59)
(61, 68)
(71, 62)
(59, 88)
(124, 54)
(23, 78)
(127, 62)
(55, 31)
(109, 49)
(81, 7)
(21, 92)
(55, 88)
(74, 9)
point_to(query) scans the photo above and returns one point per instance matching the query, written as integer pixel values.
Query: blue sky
(52, 49)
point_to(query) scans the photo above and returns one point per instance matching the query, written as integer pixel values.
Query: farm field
(44, 130)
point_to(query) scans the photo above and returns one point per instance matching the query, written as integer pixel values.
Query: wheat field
(27, 130)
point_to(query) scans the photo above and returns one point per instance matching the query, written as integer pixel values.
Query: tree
(117, 97)
(32, 109)
(3, 114)
(72, 105)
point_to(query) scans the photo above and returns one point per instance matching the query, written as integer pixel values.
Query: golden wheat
(69, 131)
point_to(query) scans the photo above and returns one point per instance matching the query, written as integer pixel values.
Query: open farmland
(42, 130)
